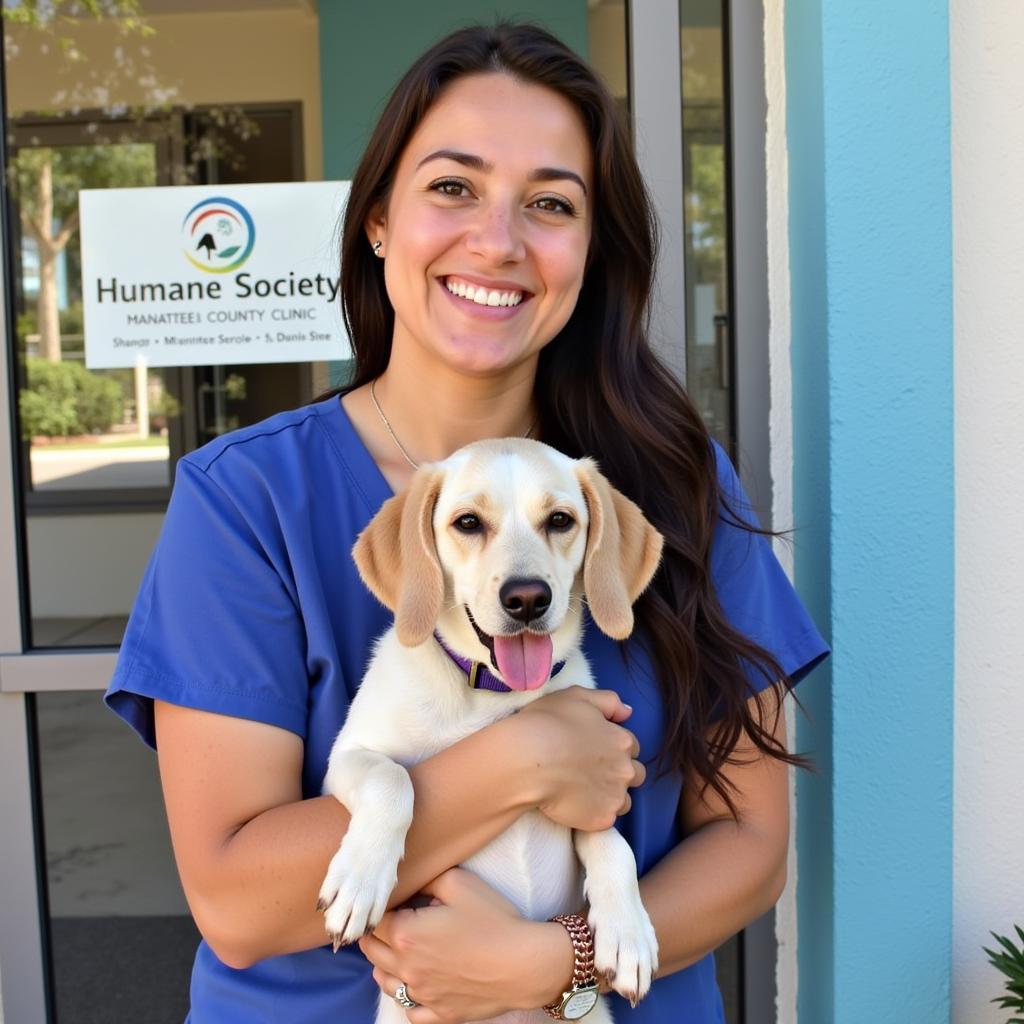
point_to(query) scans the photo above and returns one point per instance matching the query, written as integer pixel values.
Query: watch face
(580, 1003)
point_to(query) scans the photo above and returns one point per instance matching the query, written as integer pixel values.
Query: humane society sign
(212, 275)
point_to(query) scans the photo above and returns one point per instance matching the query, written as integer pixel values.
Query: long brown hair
(600, 389)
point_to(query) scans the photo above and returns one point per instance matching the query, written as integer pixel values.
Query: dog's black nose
(525, 600)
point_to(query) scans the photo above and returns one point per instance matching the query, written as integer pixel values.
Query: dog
(487, 558)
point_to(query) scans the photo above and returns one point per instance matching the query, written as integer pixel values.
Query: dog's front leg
(378, 794)
(625, 946)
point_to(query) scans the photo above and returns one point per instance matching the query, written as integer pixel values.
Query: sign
(212, 275)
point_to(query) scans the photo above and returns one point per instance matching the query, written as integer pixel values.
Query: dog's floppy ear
(623, 552)
(397, 558)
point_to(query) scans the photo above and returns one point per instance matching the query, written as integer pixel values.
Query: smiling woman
(474, 205)
(497, 262)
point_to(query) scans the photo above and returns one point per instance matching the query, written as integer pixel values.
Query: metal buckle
(474, 671)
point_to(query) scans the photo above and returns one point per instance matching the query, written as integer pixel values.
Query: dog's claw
(336, 942)
(627, 957)
(322, 905)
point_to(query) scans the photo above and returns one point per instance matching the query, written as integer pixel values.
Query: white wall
(781, 433)
(987, 54)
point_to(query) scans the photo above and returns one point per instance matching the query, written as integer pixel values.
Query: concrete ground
(56, 470)
(121, 935)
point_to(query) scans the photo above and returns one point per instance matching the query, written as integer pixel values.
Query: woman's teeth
(481, 296)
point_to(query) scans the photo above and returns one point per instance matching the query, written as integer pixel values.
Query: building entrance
(174, 92)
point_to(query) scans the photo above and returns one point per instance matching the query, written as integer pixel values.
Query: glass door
(134, 95)
(705, 209)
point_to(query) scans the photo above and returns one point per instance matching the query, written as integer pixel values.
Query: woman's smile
(497, 302)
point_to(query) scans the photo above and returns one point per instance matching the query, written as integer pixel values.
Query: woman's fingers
(585, 761)
(424, 1015)
(379, 953)
(389, 985)
(639, 773)
(453, 883)
(608, 702)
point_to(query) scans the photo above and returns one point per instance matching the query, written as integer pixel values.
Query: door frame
(655, 63)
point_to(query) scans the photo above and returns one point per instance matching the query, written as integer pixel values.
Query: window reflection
(121, 936)
(609, 55)
(132, 94)
(708, 349)
(85, 429)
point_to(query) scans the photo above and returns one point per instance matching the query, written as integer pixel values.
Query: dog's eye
(560, 521)
(468, 523)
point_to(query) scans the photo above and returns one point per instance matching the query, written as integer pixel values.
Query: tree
(52, 15)
(46, 183)
(44, 179)
(47, 206)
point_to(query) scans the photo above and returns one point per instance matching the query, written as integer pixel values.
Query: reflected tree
(46, 184)
(45, 180)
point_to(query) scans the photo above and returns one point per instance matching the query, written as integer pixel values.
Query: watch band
(583, 975)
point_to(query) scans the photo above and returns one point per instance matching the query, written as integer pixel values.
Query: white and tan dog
(493, 551)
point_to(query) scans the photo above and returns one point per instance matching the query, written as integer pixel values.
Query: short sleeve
(214, 625)
(753, 590)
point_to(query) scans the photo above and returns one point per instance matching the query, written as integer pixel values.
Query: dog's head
(495, 547)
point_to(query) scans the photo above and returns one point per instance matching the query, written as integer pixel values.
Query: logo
(218, 234)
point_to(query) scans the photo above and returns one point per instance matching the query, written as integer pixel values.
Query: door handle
(721, 322)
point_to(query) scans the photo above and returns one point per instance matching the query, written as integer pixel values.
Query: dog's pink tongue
(523, 660)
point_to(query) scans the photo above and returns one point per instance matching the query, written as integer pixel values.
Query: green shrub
(1010, 961)
(47, 415)
(65, 398)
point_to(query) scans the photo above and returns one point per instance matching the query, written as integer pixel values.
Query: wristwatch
(581, 996)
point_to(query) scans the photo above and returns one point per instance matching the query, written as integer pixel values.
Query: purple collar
(479, 676)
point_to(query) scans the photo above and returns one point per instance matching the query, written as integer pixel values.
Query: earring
(376, 247)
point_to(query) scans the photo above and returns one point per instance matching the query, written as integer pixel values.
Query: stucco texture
(871, 267)
(987, 46)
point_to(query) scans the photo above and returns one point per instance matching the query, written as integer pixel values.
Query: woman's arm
(252, 853)
(726, 873)
(722, 876)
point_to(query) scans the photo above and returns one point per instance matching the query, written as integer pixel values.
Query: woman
(496, 268)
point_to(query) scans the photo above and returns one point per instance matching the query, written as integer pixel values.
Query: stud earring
(376, 247)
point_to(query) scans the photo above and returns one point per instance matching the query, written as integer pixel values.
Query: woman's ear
(376, 224)
(623, 552)
(397, 558)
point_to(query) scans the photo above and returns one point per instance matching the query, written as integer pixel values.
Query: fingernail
(628, 707)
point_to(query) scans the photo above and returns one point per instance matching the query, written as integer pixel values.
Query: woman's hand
(585, 761)
(469, 955)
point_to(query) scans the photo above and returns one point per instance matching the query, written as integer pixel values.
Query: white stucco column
(987, 51)
(781, 432)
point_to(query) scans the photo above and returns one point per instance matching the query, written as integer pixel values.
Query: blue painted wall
(809, 355)
(366, 48)
(870, 239)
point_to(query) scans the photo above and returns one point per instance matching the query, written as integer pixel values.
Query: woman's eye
(450, 187)
(552, 205)
(560, 521)
(468, 523)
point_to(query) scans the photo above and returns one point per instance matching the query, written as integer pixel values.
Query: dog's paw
(625, 946)
(355, 891)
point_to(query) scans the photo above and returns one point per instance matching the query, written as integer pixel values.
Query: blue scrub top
(251, 606)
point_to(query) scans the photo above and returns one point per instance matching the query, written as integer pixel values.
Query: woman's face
(487, 226)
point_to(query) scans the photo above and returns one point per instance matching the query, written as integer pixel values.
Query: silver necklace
(394, 437)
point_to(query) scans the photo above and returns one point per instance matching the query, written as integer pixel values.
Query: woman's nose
(496, 236)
